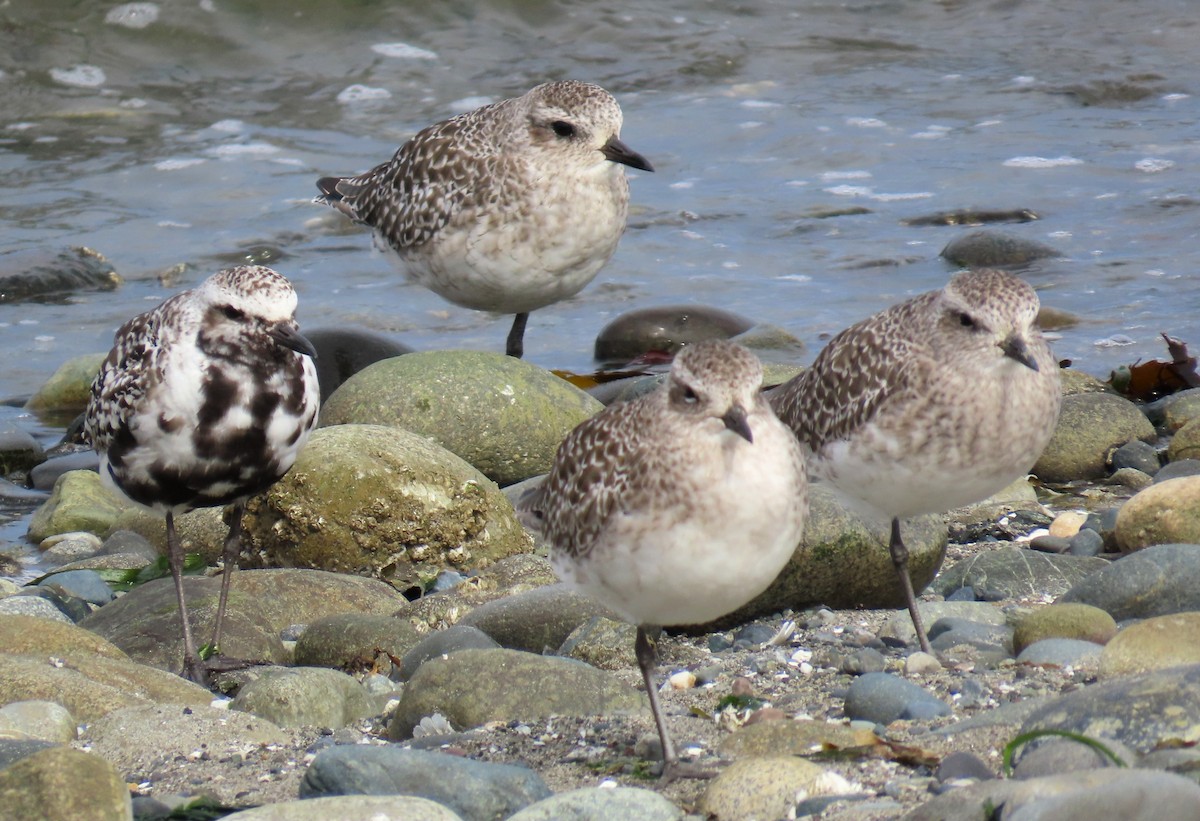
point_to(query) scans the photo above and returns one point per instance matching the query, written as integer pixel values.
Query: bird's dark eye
(966, 320)
(231, 312)
(563, 129)
(689, 396)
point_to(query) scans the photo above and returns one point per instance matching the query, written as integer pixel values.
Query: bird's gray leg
(229, 558)
(516, 336)
(899, 553)
(193, 667)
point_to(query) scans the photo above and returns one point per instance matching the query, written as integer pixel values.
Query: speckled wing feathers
(600, 469)
(860, 370)
(128, 373)
(429, 179)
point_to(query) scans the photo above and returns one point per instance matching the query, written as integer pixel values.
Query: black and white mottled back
(207, 398)
(681, 505)
(507, 208)
(933, 403)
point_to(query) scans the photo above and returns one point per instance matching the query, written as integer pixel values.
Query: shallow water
(197, 139)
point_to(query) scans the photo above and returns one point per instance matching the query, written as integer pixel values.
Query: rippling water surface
(192, 132)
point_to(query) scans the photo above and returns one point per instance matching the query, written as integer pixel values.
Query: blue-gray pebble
(1138, 455)
(476, 790)
(82, 584)
(1177, 469)
(884, 698)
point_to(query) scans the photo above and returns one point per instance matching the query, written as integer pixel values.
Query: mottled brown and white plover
(929, 405)
(507, 208)
(205, 400)
(679, 506)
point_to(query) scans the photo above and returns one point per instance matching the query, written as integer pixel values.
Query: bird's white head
(716, 379)
(250, 290)
(578, 120)
(994, 311)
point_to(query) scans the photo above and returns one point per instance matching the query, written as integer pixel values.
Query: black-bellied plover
(931, 404)
(677, 507)
(204, 401)
(507, 208)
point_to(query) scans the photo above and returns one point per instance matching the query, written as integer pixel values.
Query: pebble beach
(436, 639)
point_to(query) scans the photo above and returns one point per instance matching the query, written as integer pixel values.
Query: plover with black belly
(204, 401)
(507, 208)
(929, 405)
(677, 507)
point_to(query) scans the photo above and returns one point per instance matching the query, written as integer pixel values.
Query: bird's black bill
(1014, 348)
(289, 337)
(735, 420)
(328, 186)
(617, 151)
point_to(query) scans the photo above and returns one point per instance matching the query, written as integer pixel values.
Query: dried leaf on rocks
(1147, 381)
(587, 381)
(905, 754)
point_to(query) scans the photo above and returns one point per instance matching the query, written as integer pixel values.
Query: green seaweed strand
(1025, 738)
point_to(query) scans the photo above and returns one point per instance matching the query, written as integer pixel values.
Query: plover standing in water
(929, 405)
(204, 401)
(677, 507)
(507, 208)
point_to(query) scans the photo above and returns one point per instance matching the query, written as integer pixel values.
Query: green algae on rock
(381, 501)
(502, 415)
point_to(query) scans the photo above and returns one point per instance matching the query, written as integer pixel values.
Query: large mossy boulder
(502, 415)
(1090, 427)
(79, 501)
(384, 502)
(66, 393)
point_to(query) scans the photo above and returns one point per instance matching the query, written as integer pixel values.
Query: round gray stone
(1062, 653)
(18, 450)
(1090, 427)
(83, 584)
(537, 620)
(40, 719)
(472, 687)
(1138, 455)
(442, 643)
(44, 475)
(664, 329)
(474, 789)
(350, 808)
(1156, 581)
(899, 625)
(1176, 470)
(1013, 573)
(352, 641)
(304, 697)
(595, 804)
(1142, 711)
(884, 698)
(32, 606)
(989, 248)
